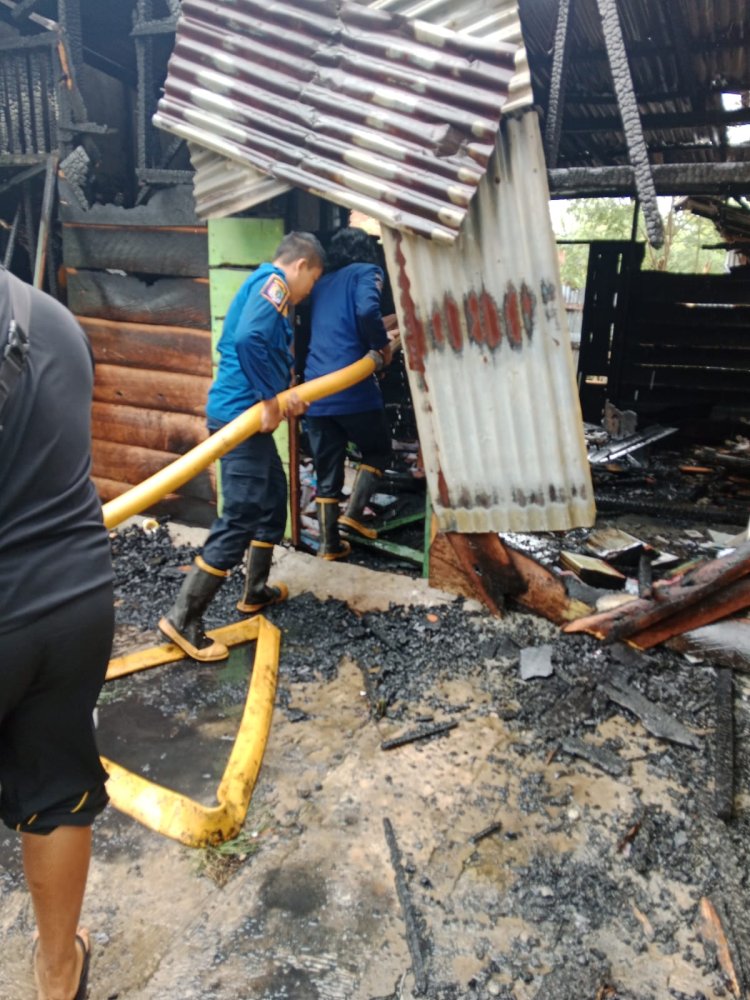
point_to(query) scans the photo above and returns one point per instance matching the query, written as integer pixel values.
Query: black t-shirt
(53, 543)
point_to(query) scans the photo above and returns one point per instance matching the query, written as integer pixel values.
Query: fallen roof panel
(394, 117)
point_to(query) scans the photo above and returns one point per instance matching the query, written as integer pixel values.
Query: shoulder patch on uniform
(276, 292)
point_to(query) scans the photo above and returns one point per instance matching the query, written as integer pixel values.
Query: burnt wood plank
(167, 250)
(166, 302)
(152, 390)
(161, 430)
(131, 464)
(662, 287)
(699, 379)
(175, 506)
(724, 746)
(142, 345)
(674, 355)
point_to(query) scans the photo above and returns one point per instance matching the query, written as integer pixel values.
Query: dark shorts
(51, 673)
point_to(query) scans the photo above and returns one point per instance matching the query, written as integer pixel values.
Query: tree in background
(588, 219)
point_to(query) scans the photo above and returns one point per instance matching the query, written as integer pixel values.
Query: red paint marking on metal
(493, 331)
(512, 315)
(415, 340)
(438, 333)
(473, 319)
(528, 308)
(453, 322)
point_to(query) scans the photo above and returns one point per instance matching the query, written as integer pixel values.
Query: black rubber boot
(330, 545)
(183, 623)
(365, 484)
(258, 594)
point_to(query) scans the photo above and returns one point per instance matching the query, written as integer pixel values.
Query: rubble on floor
(597, 781)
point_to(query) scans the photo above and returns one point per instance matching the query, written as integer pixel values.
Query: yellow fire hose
(170, 478)
(159, 808)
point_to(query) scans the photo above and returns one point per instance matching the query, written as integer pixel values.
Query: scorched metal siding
(489, 359)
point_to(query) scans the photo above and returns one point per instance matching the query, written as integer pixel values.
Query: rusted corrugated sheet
(394, 117)
(223, 187)
(489, 358)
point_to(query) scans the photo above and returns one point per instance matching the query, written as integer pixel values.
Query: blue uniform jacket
(255, 347)
(346, 323)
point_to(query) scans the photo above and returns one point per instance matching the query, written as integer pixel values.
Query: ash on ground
(601, 839)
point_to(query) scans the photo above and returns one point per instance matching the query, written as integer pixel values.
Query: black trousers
(329, 437)
(253, 487)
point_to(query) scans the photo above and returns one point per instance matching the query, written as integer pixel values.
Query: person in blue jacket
(255, 364)
(345, 323)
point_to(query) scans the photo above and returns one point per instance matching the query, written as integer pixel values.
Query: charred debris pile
(558, 693)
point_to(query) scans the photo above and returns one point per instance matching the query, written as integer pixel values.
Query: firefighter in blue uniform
(255, 364)
(346, 322)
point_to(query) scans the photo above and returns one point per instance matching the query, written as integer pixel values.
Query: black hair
(295, 246)
(351, 246)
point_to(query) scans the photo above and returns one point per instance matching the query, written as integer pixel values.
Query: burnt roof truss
(631, 120)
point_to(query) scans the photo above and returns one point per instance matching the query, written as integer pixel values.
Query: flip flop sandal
(83, 982)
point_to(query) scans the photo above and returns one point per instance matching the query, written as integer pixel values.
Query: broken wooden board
(653, 717)
(474, 565)
(724, 746)
(143, 345)
(669, 598)
(593, 570)
(126, 299)
(719, 944)
(599, 756)
(718, 605)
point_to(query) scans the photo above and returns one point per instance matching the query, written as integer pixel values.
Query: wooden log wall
(687, 343)
(138, 284)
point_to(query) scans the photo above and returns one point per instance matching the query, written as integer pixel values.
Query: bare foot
(61, 983)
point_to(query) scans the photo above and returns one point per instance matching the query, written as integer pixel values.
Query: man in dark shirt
(255, 365)
(56, 624)
(347, 322)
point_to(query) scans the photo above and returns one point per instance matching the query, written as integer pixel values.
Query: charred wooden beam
(672, 597)
(726, 601)
(599, 756)
(631, 122)
(24, 7)
(662, 121)
(724, 746)
(555, 104)
(475, 838)
(417, 734)
(407, 908)
(654, 718)
(671, 178)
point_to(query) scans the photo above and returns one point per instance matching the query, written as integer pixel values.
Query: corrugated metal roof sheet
(489, 359)
(223, 187)
(391, 116)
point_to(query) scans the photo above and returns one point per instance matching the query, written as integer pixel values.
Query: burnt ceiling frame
(152, 168)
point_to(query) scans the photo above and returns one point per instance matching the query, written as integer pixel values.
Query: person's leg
(51, 777)
(328, 446)
(371, 433)
(266, 489)
(56, 867)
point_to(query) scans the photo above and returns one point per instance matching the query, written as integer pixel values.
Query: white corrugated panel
(488, 356)
(223, 187)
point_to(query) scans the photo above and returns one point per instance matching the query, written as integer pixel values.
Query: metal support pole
(631, 121)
